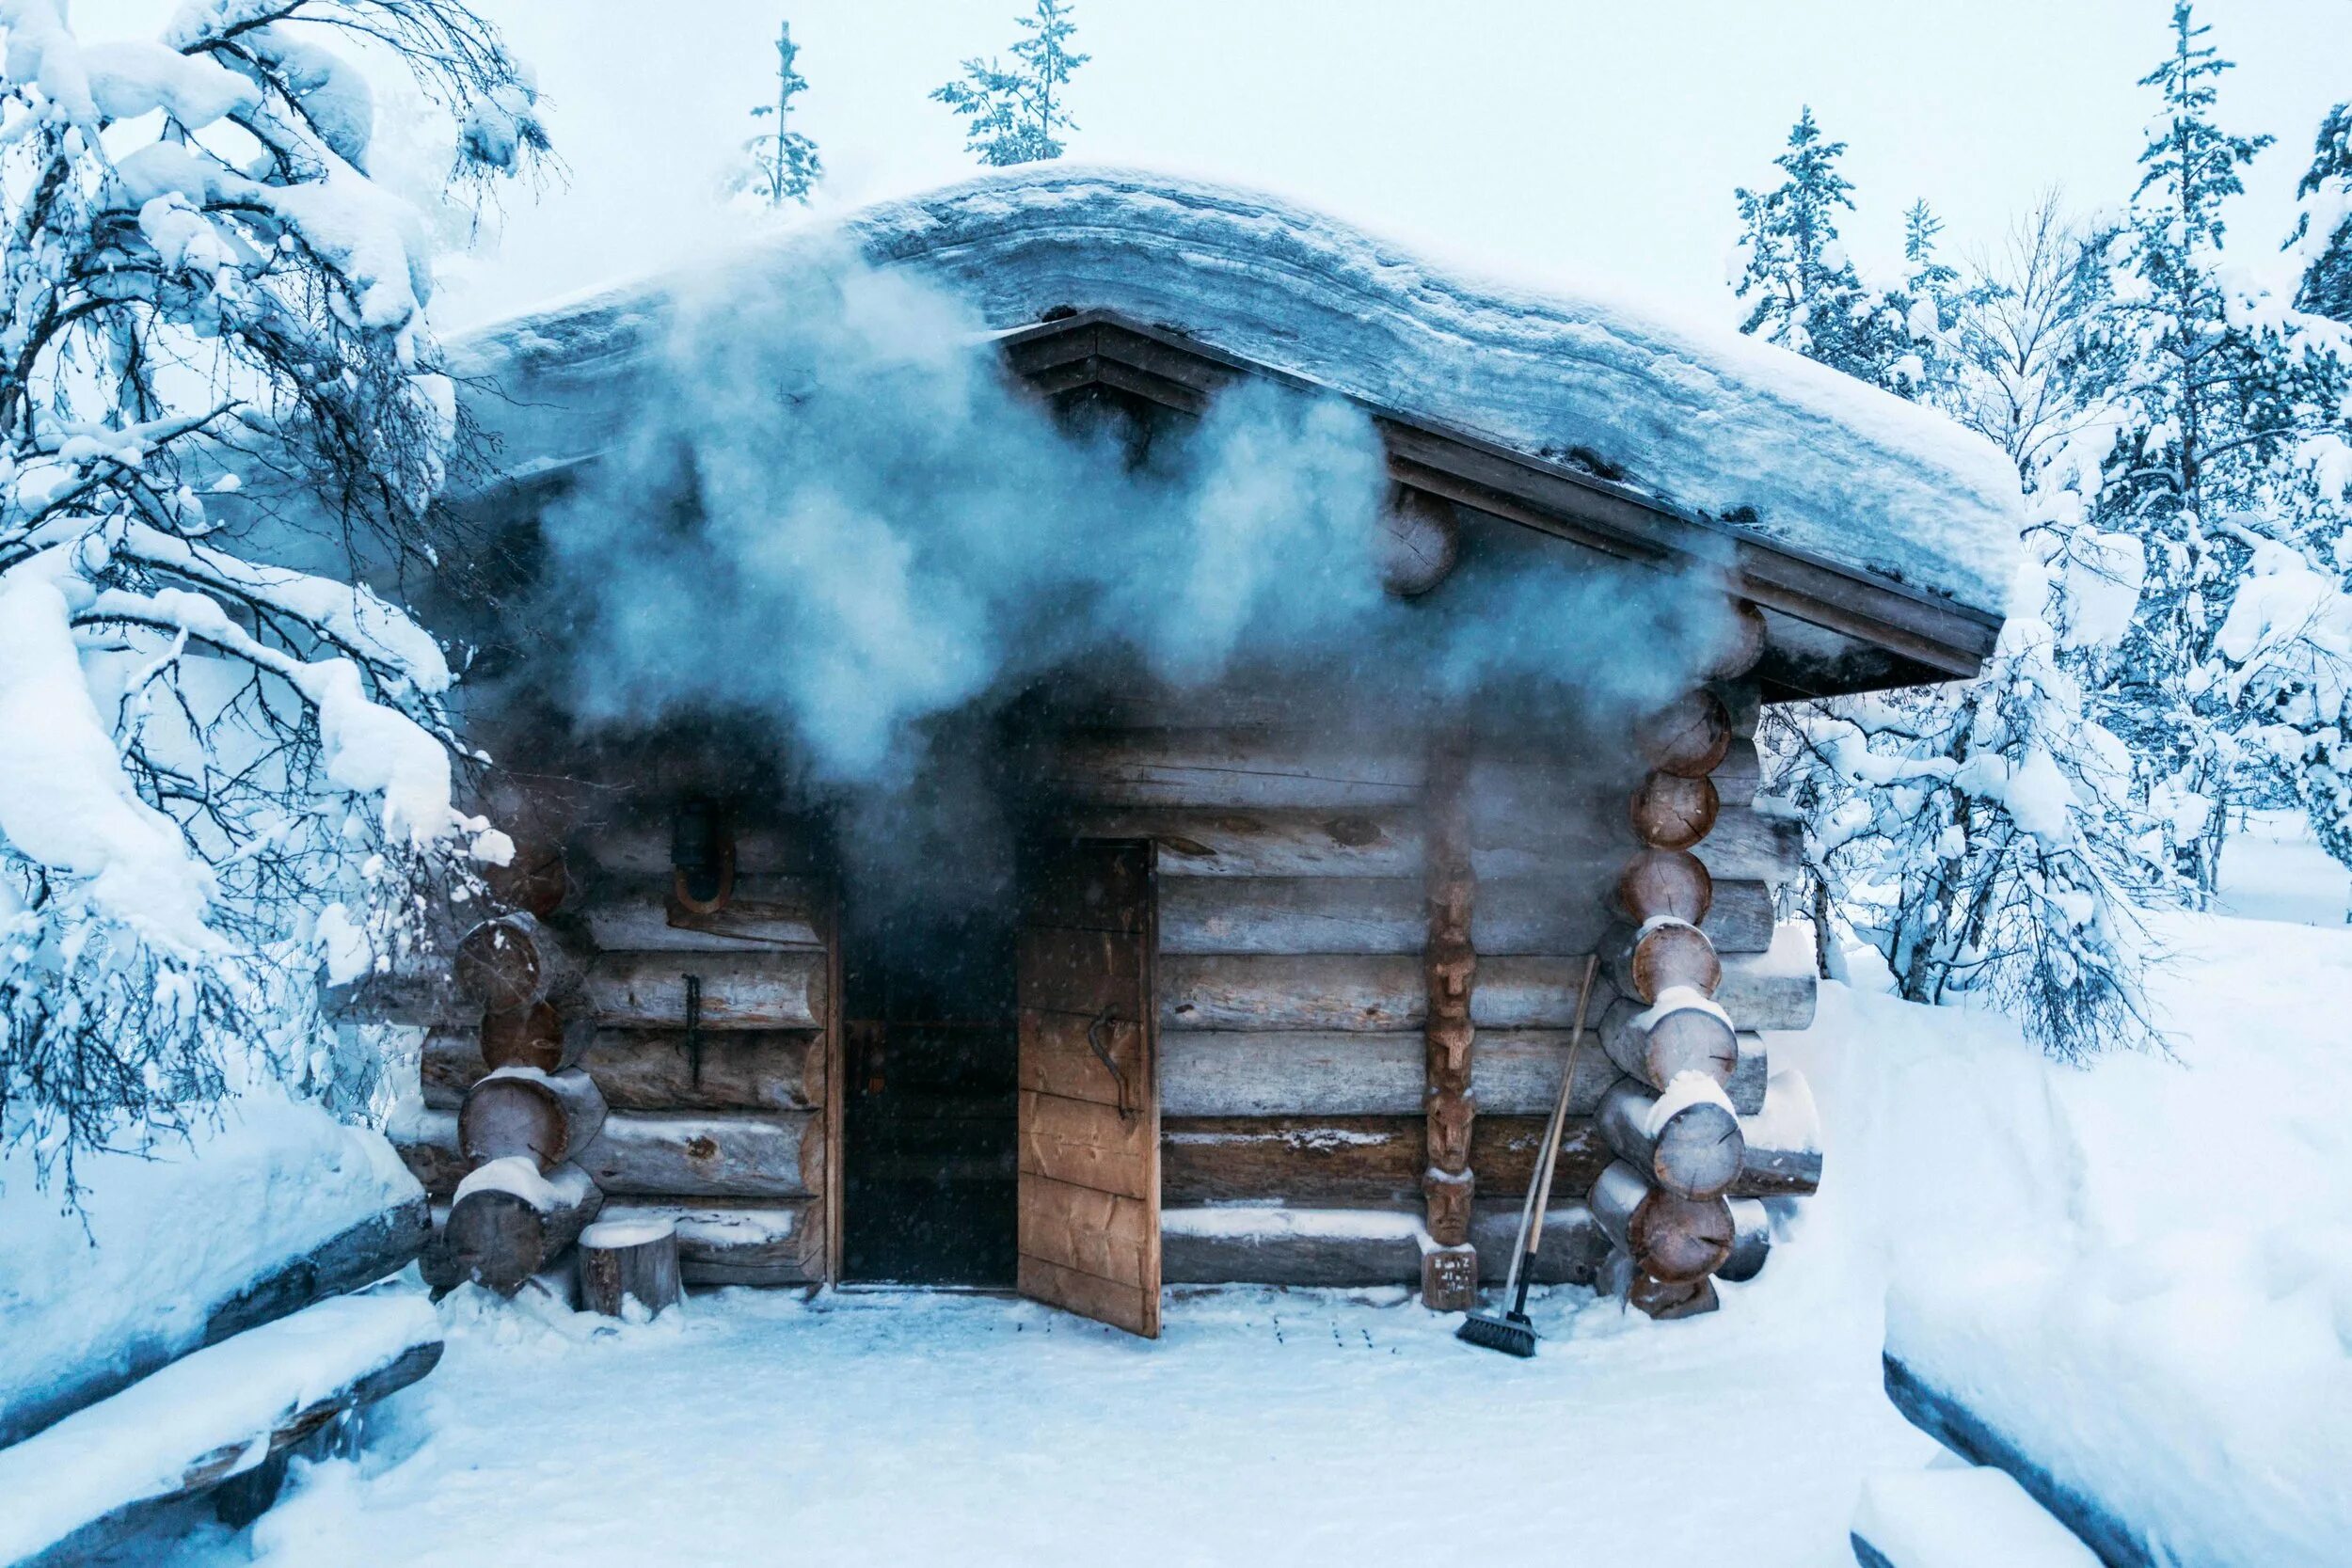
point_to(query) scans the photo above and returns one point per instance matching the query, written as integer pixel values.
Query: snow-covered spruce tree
(782, 165)
(2227, 463)
(1806, 294)
(1010, 116)
(2322, 240)
(221, 764)
(1980, 834)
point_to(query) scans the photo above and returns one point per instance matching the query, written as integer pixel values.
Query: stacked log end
(1679, 1204)
(526, 1120)
(1449, 1274)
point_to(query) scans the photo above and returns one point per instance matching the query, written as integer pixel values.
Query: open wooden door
(1090, 1114)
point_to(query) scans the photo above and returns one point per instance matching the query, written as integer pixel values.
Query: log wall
(721, 1127)
(1294, 984)
(1295, 916)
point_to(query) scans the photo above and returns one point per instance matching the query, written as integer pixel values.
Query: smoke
(838, 510)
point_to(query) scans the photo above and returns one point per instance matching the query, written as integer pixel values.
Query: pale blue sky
(1596, 141)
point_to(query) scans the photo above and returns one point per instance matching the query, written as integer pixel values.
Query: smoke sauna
(1108, 970)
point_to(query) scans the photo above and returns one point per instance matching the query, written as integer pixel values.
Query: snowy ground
(894, 1427)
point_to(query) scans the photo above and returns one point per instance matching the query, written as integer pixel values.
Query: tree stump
(624, 1258)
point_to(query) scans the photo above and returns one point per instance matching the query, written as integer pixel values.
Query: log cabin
(1267, 975)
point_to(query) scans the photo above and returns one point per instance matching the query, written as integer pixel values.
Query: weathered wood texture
(765, 912)
(369, 1249)
(499, 1237)
(1569, 1252)
(1450, 968)
(1388, 914)
(778, 1156)
(1692, 1149)
(1688, 735)
(1750, 1241)
(537, 1037)
(1350, 991)
(630, 1260)
(1782, 1153)
(1673, 1239)
(1686, 1040)
(782, 989)
(1088, 1111)
(1327, 1072)
(638, 852)
(513, 962)
(740, 1243)
(1231, 771)
(1291, 1246)
(1220, 842)
(518, 1110)
(653, 1069)
(1353, 1162)
(1742, 843)
(426, 1142)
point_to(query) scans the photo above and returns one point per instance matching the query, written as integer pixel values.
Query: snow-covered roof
(1751, 439)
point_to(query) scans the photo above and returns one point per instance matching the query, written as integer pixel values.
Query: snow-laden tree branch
(224, 762)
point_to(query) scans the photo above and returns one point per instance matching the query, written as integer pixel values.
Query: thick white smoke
(838, 509)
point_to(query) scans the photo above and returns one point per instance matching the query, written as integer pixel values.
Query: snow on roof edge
(1705, 419)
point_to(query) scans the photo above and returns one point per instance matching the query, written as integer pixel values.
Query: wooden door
(1089, 1108)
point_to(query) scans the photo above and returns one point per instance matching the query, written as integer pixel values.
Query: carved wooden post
(1449, 1272)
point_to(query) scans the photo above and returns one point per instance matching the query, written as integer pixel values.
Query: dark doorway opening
(932, 1032)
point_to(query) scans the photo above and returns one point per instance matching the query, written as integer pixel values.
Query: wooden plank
(1522, 990)
(1132, 1307)
(723, 1242)
(1774, 990)
(739, 991)
(1087, 1143)
(1217, 841)
(652, 1070)
(1503, 1151)
(1585, 848)
(641, 850)
(1101, 1233)
(1354, 1162)
(1737, 777)
(1058, 1056)
(709, 1156)
(765, 912)
(426, 1142)
(1240, 770)
(1090, 892)
(1275, 991)
(1088, 1171)
(1328, 1247)
(1571, 1253)
(1291, 1072)
(1344, 1162)
(1292, 914)
(1516, 1072)
(1085, 974)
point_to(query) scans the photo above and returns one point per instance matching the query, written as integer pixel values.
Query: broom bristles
(1512, 1337)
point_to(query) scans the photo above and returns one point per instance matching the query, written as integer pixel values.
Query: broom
(1512, 1333)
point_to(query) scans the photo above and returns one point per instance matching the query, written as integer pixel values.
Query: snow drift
(172, 1234)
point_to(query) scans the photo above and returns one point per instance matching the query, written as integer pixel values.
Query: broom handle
(1539, 1190)
(1523, 1275)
